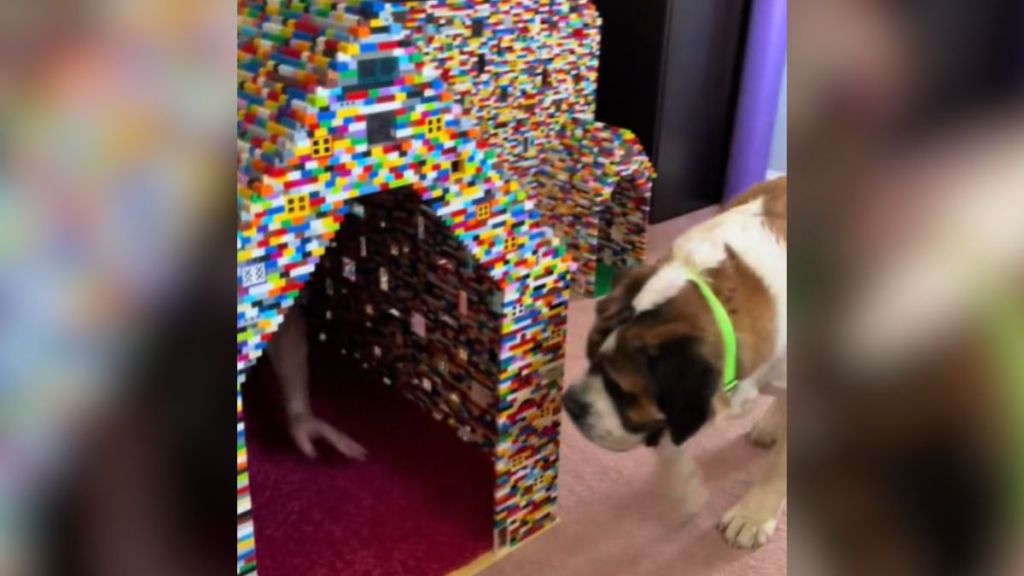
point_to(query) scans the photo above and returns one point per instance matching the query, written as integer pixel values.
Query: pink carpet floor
(316, 518)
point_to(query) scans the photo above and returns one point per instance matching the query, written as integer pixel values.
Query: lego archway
(319, 128)
(593, 188)
(341, 101)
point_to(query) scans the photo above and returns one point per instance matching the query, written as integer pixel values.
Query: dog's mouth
(616, 443)
(576, 407)
(609, 440)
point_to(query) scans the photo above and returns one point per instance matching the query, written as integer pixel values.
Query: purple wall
(759, 96)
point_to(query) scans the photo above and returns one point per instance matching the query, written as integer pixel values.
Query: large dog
(693, 337)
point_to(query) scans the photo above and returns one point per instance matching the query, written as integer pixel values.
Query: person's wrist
(298, 412)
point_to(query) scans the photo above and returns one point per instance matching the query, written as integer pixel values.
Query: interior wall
(777, 158)
(399, 295)
(619, 245)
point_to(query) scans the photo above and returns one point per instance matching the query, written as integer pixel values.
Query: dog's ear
(682, 383)
(616, 308)
(625, 285)
(610, 315)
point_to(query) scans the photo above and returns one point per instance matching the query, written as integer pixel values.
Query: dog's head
(650, 373)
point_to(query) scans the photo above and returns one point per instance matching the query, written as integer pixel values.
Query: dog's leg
(751, 522)
(766, 431)
(678, 479)
(770, 378)
(772, 424)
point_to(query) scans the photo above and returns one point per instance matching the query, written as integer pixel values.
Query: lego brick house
(388, 158)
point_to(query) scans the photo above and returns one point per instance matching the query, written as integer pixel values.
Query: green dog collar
(725, 328)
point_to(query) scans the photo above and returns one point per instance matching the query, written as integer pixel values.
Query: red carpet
(421, 505)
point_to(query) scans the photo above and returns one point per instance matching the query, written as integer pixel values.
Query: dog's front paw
(769, 427)
(745, 528)
(764, 434)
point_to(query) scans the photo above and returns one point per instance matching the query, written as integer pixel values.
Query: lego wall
(333, 108)
(532, 355)
(519, 68)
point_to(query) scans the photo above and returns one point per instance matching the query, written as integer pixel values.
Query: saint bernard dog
(695, 337)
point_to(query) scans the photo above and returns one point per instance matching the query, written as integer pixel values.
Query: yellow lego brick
(346, 112)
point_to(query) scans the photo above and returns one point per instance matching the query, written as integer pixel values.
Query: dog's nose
(574, 405)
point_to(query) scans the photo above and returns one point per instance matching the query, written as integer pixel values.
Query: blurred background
(906, 160)
(907, 169)
(116, 284)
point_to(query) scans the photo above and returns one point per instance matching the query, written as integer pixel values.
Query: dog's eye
(594, 342)
(615, 390)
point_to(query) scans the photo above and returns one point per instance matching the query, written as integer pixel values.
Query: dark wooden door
(670, 71)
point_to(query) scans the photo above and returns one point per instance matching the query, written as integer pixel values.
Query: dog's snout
(574, 405)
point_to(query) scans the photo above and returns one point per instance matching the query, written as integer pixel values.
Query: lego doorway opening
(621, 243)
(597, 203)
(404, 339)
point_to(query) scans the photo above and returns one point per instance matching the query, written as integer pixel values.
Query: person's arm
(289, 354)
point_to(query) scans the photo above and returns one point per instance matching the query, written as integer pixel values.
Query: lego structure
(413, 132)
(594, 189)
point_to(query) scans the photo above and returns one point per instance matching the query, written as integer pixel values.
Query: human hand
(306, 429)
